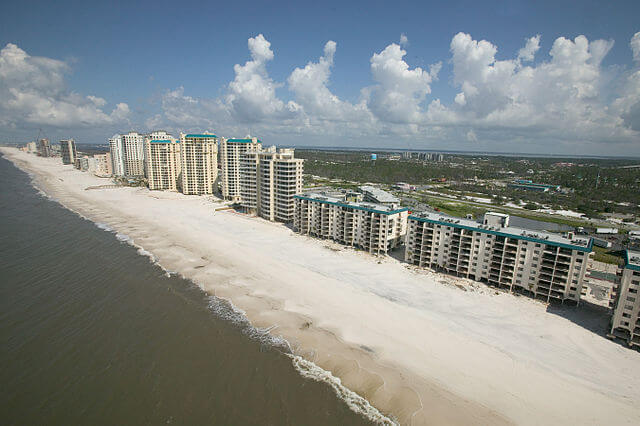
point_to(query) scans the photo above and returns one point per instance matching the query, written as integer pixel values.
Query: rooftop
(192, 135)
(243, 140)
(161, 141)
(632, 260)
(370, 207)
(576, 243)
(380, 195)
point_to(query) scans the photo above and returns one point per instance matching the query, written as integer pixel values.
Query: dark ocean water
(93, 333)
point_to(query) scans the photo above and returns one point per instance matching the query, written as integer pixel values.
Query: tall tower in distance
(68, 151)
(230, 152)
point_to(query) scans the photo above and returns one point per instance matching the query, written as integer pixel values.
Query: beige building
(375, 228)
(626, 305)
(230, 152)
(540, 264)
(269, 178)
(103, 164)
(199, 163)
(44, 148)
(68, 151)
(163, 163)
(133, 154)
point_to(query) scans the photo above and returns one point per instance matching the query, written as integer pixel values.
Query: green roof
(200, 136)
(629, 265)
(587, 249)
(352, 206)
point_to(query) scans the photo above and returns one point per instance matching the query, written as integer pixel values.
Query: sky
(544, 77)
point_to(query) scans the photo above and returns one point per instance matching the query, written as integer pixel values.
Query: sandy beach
(421, 347)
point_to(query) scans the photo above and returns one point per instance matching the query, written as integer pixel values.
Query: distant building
(544, 265)
(86, 164)
(117, 155)
(103, 165)
(611, 231)
(44, 148)
(269, 178)
(32, 147)
(375, 228)
(230, 152)
(133, 150)
(68, 151)
(626, 305)
(374, 157)
(377, 195)
(199, 163)
(163, 163)
(529, 185)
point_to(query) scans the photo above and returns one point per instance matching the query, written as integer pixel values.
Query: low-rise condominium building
(199, 158)
(163, 163)
(230, 152)
(68, 151)
(269, 178)
(375, 228)
(625, 322)
(540, 264)
(378, 196)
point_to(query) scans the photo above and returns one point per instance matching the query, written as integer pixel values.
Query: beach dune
(421, 347)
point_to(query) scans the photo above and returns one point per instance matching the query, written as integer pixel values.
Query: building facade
(269, 178)
(103, 164)
(68, 151)
(375, 228)
(625, 323)
(230, 152)
(133, 154)
(163, 163)
(44, 148)
(539, 264)
(199, 163)
(117, 155)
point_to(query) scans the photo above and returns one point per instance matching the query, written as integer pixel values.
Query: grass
(602, 254)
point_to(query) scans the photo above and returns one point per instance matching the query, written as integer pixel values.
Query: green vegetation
(607, 256)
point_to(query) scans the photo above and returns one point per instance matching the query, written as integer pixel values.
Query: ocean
(94, 333)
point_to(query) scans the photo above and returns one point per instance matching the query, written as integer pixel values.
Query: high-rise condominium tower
(269, 179)
(163, 163)
(199, 158)
(230, 151)
(68, 151)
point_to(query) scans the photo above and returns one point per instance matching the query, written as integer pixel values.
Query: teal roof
(200, 136)
(160, 141)
(587, 249)
(629, 265)
(243, 140)
(351, 206)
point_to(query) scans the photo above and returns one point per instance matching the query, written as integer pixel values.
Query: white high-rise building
(230, 151)
(199, 156)
(537, 263)
(133, 148)
(68, 151)
(625, 322)
(163, 163)
(269, 178)
(117, 155)
(376, 228)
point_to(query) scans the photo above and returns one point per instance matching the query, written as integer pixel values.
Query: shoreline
(367, 320)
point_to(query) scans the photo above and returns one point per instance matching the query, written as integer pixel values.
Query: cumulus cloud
(635, 46)
(252, 94)
(528, 52)
(400, 90)
(33, 90)
(403, 40)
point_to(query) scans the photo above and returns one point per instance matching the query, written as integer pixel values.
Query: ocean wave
(354, 401)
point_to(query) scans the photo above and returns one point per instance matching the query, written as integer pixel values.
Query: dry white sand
(422, 347)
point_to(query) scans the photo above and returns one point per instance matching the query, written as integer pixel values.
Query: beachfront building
(540, 264)
(376, 228)
(230, 152)
(103, 164)
(133, 150)
(269, 178)
(199, 163)
(44, 148)
(68, 151)
(32, 148)
(117, 155)
(162, 158)
(378, 196)
(625, 322)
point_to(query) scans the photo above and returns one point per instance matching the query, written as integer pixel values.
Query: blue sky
(172, 64)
